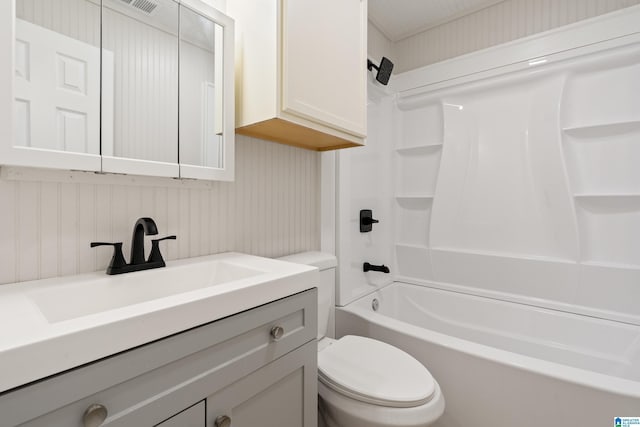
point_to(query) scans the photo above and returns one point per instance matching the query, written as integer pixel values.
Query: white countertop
(33, 346)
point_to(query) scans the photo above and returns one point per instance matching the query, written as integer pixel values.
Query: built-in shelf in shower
(413, 261)
(502, 255)
(420, 126)
(417, 171)
(615, 265)
(419, 149)
(609, 225)
(602, 159)
(413, 215)
(414, 196)
(411, 246)
(607, 196)
(603, 130)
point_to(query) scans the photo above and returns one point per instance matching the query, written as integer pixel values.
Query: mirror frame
(11, 155)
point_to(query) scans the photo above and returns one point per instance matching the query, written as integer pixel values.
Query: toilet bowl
(368, 383)
(363, 382)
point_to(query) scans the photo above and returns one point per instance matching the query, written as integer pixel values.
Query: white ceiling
(398, 19)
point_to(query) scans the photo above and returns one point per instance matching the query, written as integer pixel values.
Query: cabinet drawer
(146, 385)
(280, 394)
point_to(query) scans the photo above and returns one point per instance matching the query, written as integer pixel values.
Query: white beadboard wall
(378, 45)
(48, 218)
(500, 23)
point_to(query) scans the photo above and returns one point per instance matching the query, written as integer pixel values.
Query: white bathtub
(503, 364)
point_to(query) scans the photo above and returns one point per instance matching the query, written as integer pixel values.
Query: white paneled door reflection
(57, 91)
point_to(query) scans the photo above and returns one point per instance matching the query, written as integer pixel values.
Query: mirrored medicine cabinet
(140, 87)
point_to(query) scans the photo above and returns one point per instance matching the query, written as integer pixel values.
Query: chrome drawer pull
(94, 416)
(277, 332)
(223, 421)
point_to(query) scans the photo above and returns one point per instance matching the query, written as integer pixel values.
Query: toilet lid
(374, 372)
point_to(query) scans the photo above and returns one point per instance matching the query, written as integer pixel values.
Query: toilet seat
(375, 372)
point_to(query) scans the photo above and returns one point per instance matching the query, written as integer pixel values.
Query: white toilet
(364, 382)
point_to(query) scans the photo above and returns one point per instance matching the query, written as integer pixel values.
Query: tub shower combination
(515, 228)
(505, 364)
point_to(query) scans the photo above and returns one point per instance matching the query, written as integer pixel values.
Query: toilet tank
(326, 263)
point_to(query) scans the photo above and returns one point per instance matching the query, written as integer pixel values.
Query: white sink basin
(51, 325)
(66, 302)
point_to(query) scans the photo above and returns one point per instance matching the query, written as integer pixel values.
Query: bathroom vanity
(254, 366)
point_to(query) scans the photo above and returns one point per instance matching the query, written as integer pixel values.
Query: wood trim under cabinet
(285, 132)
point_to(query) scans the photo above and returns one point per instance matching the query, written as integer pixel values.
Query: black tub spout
(370, 267)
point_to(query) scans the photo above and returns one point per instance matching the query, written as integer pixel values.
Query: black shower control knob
(367, 220)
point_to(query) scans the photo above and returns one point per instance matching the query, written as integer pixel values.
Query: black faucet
(371, 267)
(142, 227)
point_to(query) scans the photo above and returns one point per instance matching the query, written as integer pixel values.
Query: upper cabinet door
(51, 84)
(323, 62)
(206, 93)
(301, 70)
(140, 45)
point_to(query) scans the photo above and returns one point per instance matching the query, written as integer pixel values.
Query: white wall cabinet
(231, 368)
(301, 71)
(109, 87)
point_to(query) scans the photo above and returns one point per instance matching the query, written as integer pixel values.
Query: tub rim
(553, 370)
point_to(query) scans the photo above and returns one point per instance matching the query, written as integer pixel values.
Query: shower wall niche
(419, 137)
(524, 183)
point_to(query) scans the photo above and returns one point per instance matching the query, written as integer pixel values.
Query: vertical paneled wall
(378, 45)
(500, 23)
(48, 219)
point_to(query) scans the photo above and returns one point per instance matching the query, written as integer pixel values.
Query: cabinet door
(281, 394)
(207, 102)
(191, 417)
(140, 88)
(324, 62)
(50, 90)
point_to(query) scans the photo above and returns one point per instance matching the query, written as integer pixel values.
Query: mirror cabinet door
(140, 87)
(202, 96)
(125, 86)
(56, 84)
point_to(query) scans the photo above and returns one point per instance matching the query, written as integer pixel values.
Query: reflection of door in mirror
(201, 139)
(142, 121)
(57, 76)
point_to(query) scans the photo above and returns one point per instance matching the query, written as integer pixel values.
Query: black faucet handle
(117, 260)
(367, 220)
(94, 244)
(164, 238)
(155, 255)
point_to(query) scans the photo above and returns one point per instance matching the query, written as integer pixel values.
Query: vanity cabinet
(190, 417)
(254, 368)
(142, 88)
(301, 71)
